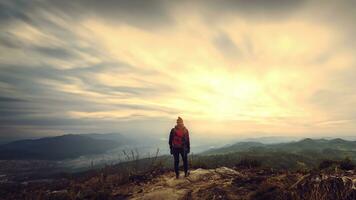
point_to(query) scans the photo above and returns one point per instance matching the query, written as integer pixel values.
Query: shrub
(347, 164)
(326, 164)
(249, 163)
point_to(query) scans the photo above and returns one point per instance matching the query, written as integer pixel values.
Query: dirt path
(201, 184)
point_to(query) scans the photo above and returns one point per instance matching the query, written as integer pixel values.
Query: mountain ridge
(303, 144)
(56, 148)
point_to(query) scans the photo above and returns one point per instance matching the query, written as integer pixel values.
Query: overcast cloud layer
(267, 67)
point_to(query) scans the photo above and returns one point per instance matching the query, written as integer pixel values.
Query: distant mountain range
(76, 145)
(61, 147)
(297, 155)
(290, 147)
(272, 139)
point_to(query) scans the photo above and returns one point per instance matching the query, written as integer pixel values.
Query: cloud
(254, 9)
(54, 52)
(225, 44)
(252, 66)
(10, 99)
(147, 14)
(12, 10)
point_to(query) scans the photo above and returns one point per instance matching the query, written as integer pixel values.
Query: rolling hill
(316, 145)
(57, 148)
(306, 153)
(237, 147)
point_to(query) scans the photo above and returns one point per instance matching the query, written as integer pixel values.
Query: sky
(229, 68)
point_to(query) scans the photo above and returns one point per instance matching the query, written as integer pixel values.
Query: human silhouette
(179, 145)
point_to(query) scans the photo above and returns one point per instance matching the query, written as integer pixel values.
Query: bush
(347, 164)
(249, 163)
(326, 164)
(270, 192)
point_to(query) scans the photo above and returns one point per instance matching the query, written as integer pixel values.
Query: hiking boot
(186, 174)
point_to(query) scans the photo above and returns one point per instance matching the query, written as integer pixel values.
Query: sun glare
(256, 80)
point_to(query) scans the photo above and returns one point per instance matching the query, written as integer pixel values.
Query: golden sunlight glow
(266, 77)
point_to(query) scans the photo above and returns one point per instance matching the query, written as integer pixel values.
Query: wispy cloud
(229, 66)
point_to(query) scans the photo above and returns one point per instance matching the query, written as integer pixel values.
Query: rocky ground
(226, 183)
(219, 183)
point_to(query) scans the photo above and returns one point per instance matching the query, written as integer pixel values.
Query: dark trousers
(176, 153)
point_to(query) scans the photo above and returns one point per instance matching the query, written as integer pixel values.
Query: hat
(179, 120)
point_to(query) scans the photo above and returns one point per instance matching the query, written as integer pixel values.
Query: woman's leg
(176, 162)
(185, 162)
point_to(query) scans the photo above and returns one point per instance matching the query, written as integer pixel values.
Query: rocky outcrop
(220, 183)
(200, 184)
(226, 183)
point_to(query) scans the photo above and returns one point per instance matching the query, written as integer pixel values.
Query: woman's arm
(187, 140)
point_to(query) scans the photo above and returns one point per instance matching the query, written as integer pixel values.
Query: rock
(173, 182)
(201, 184)
(227, 183)
(164, 194)
(227, 171)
